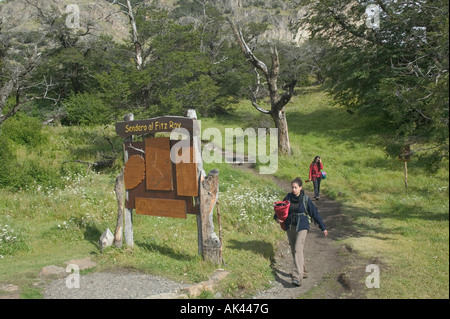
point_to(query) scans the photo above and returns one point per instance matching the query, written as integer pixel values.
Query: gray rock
(83, 264)
(9, 291)
(106, 239)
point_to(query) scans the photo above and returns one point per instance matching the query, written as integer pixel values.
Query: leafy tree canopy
(390, 57)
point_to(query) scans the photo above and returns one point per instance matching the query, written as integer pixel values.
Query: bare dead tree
(15, 89)
(21, 54)
(128, 10)
(17, 83)
(277, 101)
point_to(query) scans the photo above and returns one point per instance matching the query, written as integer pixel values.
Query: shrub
(36, 173)
(86, 109)
(28, 174)
(17, 174)
(24, 130)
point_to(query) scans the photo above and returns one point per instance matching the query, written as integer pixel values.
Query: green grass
(408, 232)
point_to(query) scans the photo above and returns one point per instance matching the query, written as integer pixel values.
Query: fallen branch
(99, 164)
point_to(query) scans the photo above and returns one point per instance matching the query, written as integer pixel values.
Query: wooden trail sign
(164, 177)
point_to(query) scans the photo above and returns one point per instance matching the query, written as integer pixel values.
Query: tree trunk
(119, 189)
(284, 146)
(136, 42)
(277, 110)
(129, 240)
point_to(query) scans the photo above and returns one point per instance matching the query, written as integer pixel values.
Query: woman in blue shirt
(301, 212)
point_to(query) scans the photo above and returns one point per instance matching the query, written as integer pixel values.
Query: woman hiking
(301, 210)
(315, 175)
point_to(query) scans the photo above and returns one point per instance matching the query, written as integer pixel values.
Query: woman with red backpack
(296, 221)
(315, 175)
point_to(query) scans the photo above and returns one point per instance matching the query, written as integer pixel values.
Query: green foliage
(30, 173)
(24, 130)
(399, 69)
(188, 67)
(119, 86)
(86, 109)
(189, 61)
(32, 157)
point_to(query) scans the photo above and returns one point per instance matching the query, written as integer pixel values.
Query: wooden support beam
(192, 114)
(209, 194)
(119, 189)
(128, 211)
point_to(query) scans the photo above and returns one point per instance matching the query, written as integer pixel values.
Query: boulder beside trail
(106, 239)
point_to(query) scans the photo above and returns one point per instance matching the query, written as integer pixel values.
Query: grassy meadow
(406, 230)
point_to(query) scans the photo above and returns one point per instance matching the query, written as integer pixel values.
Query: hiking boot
(305, 275)
(295, 282)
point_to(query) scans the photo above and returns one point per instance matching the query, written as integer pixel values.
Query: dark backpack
(305, 213)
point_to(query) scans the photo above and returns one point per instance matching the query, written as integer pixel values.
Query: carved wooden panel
(187, 180)
(161, 207)
(134, 171)
(158, 164)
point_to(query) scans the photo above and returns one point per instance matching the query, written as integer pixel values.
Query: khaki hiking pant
(297, 242)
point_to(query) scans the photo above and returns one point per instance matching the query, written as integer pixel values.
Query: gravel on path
(124, 284)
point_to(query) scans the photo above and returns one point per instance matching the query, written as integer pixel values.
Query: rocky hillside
(102, 17)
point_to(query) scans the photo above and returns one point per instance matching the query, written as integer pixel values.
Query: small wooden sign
(405, 155)
(157, 124)
(172, 188)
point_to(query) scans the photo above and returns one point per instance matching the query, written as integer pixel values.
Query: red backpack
(281, 209)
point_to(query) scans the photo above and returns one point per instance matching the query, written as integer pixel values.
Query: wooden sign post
(405, 157)
(164, 177)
